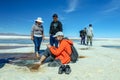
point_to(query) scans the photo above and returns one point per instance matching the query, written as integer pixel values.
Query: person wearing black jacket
(83, 36)
(55, 26)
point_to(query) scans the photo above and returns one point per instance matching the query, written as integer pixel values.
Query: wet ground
(11, 47)
(18, 55)
(111, 46)
(26, 59)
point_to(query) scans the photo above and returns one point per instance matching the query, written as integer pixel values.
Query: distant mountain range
(13, 34)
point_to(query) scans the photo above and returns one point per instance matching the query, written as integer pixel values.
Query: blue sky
(17, 16)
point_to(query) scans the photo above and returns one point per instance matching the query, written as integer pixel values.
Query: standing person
(55, 26)
(37, 35)
(61, 55)
(89, 34)
(83, 36)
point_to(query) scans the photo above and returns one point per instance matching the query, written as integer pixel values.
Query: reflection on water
(111, 46)
(20, 59)
(27, 63)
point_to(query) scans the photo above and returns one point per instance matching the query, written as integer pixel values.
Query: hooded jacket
(63, 52)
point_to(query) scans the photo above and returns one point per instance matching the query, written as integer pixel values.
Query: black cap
(55, 15)
(90, 24)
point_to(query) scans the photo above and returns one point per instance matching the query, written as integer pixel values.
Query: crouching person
(60, 55)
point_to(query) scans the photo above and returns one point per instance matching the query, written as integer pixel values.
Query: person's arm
(60, 26)
(43, 33)
(92, 32)
(50, 31)
(32, 33)
(58, 50)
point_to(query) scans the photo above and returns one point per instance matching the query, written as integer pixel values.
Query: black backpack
(74, 54)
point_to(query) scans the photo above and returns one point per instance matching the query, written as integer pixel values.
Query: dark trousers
(83, 40)
(51, 59)
(89, 39)
(53, 41)
(49, 56)
(37, 42)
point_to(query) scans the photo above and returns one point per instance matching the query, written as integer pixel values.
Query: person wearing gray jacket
(89, 34)
(37, 34)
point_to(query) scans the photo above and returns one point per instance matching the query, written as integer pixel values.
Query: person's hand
(48, 45)
(92, 35)
(43, 37)
(32, 38)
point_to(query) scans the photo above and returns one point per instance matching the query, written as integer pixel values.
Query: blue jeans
(53, 41)
(37, 42)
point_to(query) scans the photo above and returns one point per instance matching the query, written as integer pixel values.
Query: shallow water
(18, 41)
(27, 63)
(111, 46)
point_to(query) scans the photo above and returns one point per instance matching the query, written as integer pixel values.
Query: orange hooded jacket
(63, 52)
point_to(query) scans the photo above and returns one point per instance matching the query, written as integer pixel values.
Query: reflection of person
(37, 34)
(60, 55)
(89, 34)
(55, 26)
(83, 36)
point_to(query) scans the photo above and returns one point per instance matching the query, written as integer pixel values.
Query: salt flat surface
(98, 63)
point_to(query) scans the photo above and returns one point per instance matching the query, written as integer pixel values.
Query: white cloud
(113, 6)
(72, 5)
(111, 9)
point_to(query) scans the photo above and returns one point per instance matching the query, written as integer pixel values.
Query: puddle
(27, 63)
(111, 46)
(83, 48)
(12, 47)
(82, 56)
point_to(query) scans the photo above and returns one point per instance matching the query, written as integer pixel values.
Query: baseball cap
(58, 34)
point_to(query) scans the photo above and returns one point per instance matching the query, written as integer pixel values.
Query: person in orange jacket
(60, 55)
